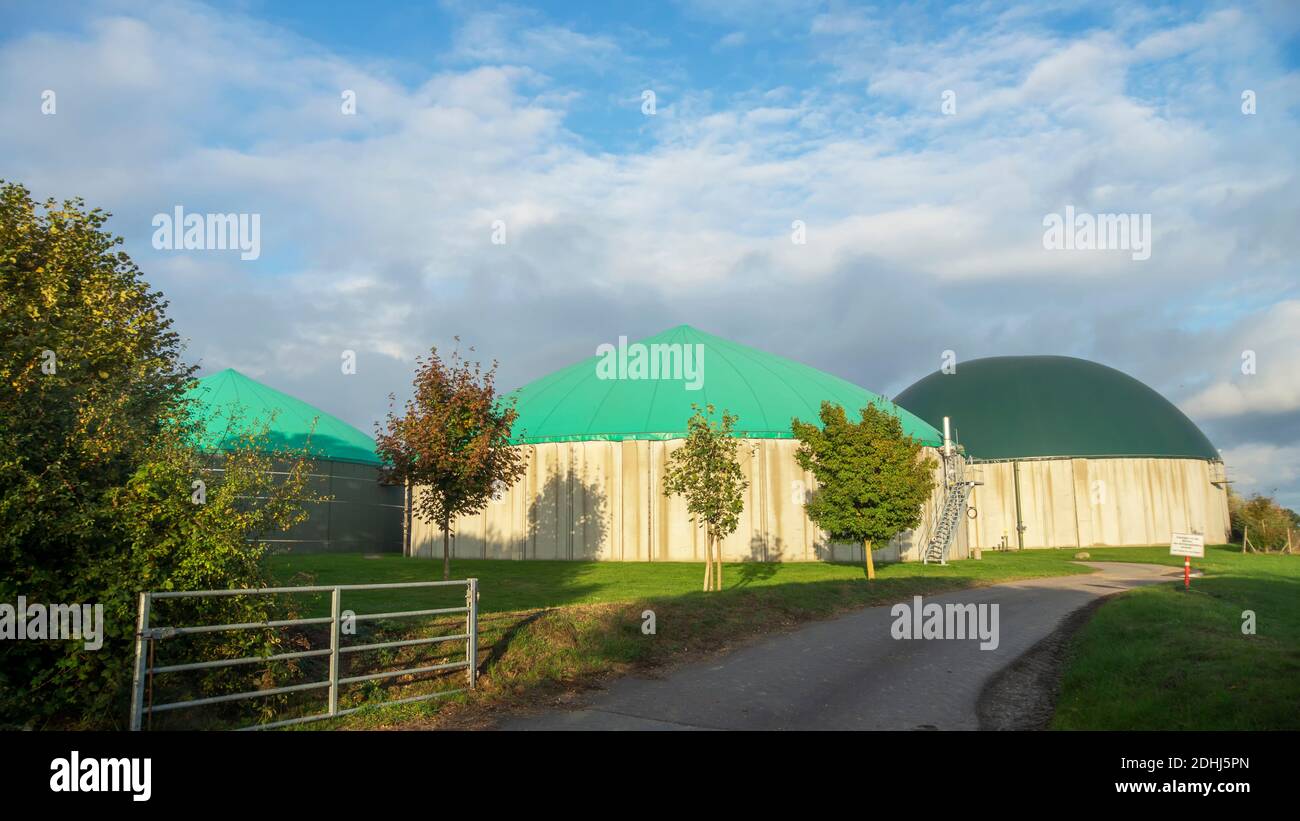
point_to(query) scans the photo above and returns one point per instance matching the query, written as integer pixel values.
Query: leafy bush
(1267, 521)
(98, 456)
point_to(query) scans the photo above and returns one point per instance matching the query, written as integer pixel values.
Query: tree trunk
(717, 578)
(871, 564)
(446, 548)
(708, 564)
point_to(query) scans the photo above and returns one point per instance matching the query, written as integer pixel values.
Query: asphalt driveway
(849, 673)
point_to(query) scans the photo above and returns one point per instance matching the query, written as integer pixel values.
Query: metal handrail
(146, 635)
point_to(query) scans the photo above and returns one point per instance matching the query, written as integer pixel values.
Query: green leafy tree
(872, 479)
(453, 442)
(98, 459)
(1267, 523)
(706, 472)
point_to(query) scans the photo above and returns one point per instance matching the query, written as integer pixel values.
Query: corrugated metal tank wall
(363, 516)
(1098, 502)
(604, 501)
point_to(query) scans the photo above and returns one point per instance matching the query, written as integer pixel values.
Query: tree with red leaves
(453, 442)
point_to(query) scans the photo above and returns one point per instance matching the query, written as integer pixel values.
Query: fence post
(335, 598)
(141, 660)
(471, 630)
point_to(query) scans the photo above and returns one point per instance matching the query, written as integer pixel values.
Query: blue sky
(924, 227)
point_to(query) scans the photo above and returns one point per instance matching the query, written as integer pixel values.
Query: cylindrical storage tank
(360, 514)
(1098, 458)
(599, 434)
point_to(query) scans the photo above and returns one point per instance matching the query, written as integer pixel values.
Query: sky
(916, 151)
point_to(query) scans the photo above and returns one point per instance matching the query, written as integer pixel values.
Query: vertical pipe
(947, 456)
(762, 501)
(335, 612)
(329, 508)
(1020, 527)
(137, 686)
(471, 630)
(406, 518)
(650, 501)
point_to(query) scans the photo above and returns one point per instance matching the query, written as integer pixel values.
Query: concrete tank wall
(604, 501)
(1097, 502)
(361, 516)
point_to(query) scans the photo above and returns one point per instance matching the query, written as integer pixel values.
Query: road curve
(848, 673)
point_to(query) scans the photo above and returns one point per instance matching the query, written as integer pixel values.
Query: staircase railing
(954, 508)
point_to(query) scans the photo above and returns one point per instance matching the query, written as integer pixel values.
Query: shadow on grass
(515, 623)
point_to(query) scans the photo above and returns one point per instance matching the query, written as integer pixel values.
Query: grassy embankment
(1158, 658)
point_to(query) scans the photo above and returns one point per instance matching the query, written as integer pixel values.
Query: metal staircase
(953, 514)
(950, 518)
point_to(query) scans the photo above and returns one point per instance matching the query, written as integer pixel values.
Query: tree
(872, 479)
(1267, 523)
(453, 441)
(707, 474)
(98, 459)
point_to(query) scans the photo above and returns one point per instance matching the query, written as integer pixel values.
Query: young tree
(453, 441)
(871, 478)
(706, 472)
(98, 459)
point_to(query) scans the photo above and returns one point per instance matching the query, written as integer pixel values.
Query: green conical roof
(1009, 407)
(229, 394)
(765, 391)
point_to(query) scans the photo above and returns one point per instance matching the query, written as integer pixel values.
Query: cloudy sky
(921, 149)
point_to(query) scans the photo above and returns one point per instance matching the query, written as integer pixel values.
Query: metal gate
(146, 634)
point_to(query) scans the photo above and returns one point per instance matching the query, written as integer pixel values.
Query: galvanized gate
(146, 634)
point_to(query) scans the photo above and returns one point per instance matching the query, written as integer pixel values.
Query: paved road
(849, 673)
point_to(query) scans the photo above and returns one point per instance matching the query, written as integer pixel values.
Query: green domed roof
(229, 394)
(763, 390)
(1009, 407)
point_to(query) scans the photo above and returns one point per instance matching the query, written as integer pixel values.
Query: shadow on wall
(568, 519)
(762, 561)
(844, 552)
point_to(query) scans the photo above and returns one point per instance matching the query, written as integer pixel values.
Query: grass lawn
(506, 586)
(1150, 659)
(549, 628)
(1158, 658)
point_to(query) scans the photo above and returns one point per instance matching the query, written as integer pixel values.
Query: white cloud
(733, 40)
(923, 230)
(515, 35)
(1270, 343)
(1271, 469)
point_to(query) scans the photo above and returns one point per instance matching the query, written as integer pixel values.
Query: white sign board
(1188, 544)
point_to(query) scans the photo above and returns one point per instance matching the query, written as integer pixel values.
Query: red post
(1187, 572)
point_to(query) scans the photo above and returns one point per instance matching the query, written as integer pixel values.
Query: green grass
(508, 586)
(549, 628)
(1153, 658)
(1159, 658)
(545, 627)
